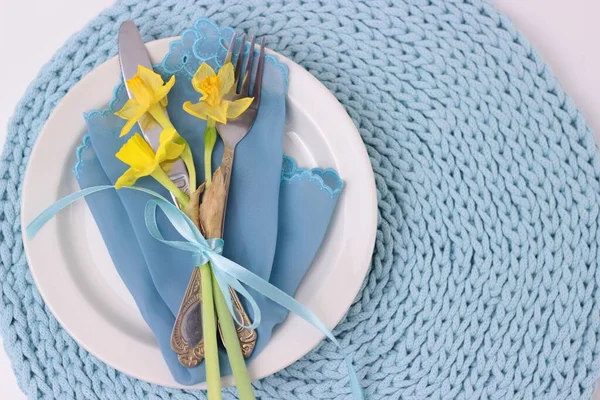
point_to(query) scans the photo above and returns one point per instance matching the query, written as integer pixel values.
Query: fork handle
(212, 211)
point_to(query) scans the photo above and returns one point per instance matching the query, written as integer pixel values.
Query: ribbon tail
(272, 292)
(34, 226)
(225, 280)
(38, 222)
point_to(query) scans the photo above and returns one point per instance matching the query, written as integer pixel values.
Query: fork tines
(245, 70)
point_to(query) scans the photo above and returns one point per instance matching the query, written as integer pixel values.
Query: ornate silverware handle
(247, 336)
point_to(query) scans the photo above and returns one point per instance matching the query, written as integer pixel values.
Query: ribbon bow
(227, 272)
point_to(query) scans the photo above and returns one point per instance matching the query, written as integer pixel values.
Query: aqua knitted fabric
(484, 280)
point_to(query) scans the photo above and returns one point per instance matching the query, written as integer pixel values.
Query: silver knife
(187, 338)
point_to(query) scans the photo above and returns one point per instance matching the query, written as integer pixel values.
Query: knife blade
(132, 53)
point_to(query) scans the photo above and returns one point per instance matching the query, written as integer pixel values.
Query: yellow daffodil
(149, 94)
(215, 89)
(143, 161)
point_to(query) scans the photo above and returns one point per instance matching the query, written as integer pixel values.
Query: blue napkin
(277, 213)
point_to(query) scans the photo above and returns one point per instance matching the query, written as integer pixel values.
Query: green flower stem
(188, 160)
(209, 329)
(162, 178)
(159, 114)
(232, 345)
(210, 138)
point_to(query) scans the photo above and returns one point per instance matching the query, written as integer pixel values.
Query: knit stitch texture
(484, 280)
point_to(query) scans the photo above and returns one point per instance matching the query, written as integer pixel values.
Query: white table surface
(564, 32)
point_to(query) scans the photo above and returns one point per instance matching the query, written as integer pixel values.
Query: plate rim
(161, 47)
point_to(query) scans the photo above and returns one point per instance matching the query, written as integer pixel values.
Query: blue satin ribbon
(204, 250)
(227, 272)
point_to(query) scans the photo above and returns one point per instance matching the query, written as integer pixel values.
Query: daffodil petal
(127, 127)
(140, 91)
(132, 121)
(152, 80)
(236, 108)
(129, 109)
(160, 95)
(180, 140)
(128, 178)
(169, 151)
(226, 78)
(218, 113)
(168, 135)
(198, 110)
(173, 150)
(201, 74)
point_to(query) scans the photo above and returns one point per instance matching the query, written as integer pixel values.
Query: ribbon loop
(203, 250)
(225, 281)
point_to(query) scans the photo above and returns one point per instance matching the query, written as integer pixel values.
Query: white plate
(77, 279)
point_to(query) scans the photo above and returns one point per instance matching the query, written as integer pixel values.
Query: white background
(564, 32)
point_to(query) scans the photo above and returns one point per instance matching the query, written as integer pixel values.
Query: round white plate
(76, 277)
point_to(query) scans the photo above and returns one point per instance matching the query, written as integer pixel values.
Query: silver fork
(231, 134)
(235, 130)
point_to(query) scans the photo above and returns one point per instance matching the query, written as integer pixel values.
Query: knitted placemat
(484, 279)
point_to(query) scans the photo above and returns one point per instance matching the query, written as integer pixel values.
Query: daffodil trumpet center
(209, 87)
(215, 88)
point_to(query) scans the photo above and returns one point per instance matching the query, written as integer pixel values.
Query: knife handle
(187, 337)
(212, 216)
